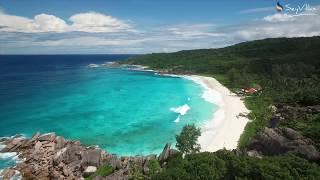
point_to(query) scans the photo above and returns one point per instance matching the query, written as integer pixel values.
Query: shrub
(187, 139)
(154, 167)
(103, 171)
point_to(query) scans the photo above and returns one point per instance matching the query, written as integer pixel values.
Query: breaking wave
(182, 110)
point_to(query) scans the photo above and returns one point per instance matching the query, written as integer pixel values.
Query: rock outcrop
(280, 141)
(47, 156)
(166, 153)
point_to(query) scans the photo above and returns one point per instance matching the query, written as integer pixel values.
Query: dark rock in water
(282, 140)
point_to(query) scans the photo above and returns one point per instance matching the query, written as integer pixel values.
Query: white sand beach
(225, 127)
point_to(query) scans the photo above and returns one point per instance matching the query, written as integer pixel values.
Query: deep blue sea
(123, 111)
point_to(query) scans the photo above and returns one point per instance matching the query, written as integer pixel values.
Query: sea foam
(177, 120)
(10, 159)
(210, 95)
(8, 155)
(2, 146)
(182, 110)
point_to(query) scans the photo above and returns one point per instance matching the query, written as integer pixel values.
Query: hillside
(287, 70)
(258, 56)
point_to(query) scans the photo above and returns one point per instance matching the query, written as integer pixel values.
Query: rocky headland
(48, 156)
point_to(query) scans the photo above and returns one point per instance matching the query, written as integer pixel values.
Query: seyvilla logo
(279, 7)
(300, 10)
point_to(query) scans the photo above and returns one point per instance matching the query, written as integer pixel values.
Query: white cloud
(98, 33)
(91, 41)
(48, 23)
(95, 22)
(83, 22)
(257, 10)
(14, 23)
(194, 31)
(278, 25)
(279, 18)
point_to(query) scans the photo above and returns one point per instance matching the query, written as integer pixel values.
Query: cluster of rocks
(301, 110)
(276, 141)
(287, 114)
(47, 156)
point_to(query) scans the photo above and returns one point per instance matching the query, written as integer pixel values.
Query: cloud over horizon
(81, 22)
(92, 32)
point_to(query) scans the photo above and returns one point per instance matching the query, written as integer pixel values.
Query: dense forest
(288, 72)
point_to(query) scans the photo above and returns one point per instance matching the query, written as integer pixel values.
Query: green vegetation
(154, 167)
(288, 70)
(224, 164)
(102, 171)
(187, 139)
(136, 172)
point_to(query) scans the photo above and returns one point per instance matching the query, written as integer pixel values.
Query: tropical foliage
(187, 139)
(287, 70)
(226, 165)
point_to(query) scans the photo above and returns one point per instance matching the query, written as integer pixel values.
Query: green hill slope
(288, 70)
(258, 55)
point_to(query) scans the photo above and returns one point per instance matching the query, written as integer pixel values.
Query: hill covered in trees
(287, 70)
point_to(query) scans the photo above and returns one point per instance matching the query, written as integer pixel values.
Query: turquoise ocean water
(123, 111)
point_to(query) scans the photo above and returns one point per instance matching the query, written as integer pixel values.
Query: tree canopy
(187, 139)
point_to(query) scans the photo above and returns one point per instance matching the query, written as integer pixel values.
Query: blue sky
(144, 26)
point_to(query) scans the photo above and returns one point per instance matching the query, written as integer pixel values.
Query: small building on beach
(249, 91)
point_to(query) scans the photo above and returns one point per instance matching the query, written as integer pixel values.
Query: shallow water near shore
(122, 111)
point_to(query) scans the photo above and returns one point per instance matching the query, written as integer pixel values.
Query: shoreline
(225, 127)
